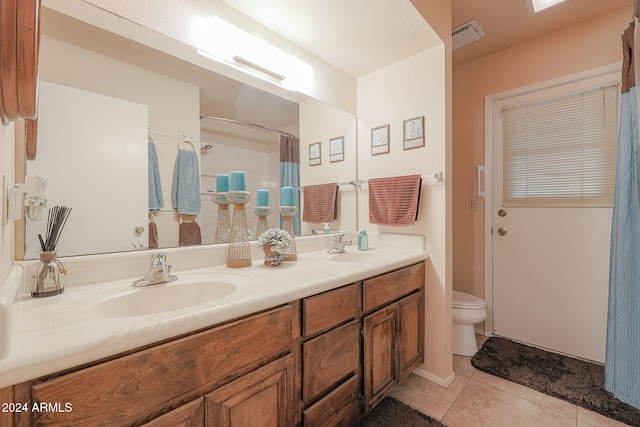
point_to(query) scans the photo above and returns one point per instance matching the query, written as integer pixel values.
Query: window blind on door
(561, 151)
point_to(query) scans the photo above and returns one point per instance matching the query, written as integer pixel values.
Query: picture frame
(315, 151)
(413, 133)
(336, 149)
(380, 140)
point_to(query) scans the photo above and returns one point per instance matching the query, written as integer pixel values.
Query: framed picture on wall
(336, 149)
(380, 140)
(413, 133)
(314, 154)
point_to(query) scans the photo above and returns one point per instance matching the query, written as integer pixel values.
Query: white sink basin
(164, 298)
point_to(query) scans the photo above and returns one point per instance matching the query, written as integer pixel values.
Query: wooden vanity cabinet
(393, 330)
(166, 384)
(324, 360)
(331, 357)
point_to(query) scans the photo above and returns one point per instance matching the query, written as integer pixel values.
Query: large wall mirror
(104, 97)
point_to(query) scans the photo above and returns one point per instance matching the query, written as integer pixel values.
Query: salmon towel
(320, 203)
(394, 200)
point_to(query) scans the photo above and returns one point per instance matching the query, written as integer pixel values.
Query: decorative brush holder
(49, 276)
(239, 251)
(223, 224)
(288, 212)
(262, 212)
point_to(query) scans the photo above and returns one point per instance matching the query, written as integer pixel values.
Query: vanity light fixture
(219, 40)
(536, 6)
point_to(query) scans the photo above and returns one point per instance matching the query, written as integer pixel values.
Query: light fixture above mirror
(219, 40)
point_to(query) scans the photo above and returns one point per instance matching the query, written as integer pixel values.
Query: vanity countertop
(57, 333)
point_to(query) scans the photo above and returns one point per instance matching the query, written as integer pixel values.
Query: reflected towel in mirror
(156, 201)
(186, 183)
(320, 203)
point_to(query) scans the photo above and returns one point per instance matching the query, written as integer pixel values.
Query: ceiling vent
(466, 33)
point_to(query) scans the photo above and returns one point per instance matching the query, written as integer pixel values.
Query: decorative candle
(222, 183)
(238, 181)
(263, 197)
(286, 196)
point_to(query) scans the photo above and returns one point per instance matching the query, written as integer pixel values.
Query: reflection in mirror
(104, 68)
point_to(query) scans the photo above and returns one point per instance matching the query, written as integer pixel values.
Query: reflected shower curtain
(622, 363)
(290, 172)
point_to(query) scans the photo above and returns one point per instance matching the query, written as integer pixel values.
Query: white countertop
(56, 333)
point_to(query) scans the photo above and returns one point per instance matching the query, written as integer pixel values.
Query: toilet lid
(461, 299)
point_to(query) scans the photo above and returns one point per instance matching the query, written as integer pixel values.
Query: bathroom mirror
(81, 57)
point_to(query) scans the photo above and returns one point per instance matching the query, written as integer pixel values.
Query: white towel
(185, 193)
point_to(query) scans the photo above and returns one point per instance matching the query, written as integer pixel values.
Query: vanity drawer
(382, 290)
(137, 386)
(338, 409)
(322, 312)
(329, 359)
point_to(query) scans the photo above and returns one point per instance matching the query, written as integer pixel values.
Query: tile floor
(477, 399)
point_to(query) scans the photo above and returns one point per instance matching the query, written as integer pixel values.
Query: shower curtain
(290, 172)
(622, 362)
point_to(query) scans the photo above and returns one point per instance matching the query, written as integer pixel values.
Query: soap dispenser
(326, 230)
(363, 239)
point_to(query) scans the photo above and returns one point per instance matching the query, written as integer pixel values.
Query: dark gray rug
(573, 380)
(391, 412)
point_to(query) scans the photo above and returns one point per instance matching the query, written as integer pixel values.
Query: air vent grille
(466, 33)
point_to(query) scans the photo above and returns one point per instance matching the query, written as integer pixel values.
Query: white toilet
(467, 311)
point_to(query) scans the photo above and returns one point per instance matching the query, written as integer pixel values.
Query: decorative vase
(271, 257)
(239, 251)
(288, 212)
(49, 276)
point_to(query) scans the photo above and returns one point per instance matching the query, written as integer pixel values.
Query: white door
(83, 134)
(549, 265)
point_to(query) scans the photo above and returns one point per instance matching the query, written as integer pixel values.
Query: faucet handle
(158, 258)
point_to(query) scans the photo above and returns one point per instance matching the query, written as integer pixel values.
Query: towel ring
(187, 140)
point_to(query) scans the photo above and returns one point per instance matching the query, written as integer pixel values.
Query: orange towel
(394, 201)
(320, 203)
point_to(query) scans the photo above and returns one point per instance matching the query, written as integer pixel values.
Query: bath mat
(576, 381)
(392, 412)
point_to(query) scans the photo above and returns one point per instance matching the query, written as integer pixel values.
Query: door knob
(502, 231)
(502, 213)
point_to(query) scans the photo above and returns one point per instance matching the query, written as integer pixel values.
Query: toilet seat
(464, 300)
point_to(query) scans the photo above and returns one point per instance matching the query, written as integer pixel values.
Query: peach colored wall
(577, 48)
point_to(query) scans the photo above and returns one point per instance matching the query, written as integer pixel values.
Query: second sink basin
(164, 297)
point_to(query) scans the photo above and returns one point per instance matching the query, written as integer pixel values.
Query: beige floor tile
(590, 418)
(534, 396)
(462, 366)
(481, 405)
(428, 397)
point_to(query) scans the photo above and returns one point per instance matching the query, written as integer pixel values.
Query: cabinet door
(263, 398)
(189, 415)
(410, 334)
(379, 354)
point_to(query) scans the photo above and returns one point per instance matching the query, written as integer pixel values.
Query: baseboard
(444, 382)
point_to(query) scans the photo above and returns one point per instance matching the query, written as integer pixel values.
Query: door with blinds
(552, 186)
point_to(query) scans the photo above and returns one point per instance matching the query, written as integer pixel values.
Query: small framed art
(336, 149)
(413, 133)
(380, 140)
(314, 154)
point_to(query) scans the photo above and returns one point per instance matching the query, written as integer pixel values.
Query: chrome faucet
(339, 244)
(158, 271)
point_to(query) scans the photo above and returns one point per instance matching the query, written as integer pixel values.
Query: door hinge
(362, 332)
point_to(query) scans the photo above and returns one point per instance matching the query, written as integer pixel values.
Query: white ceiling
(356, 36)
(360, 36)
